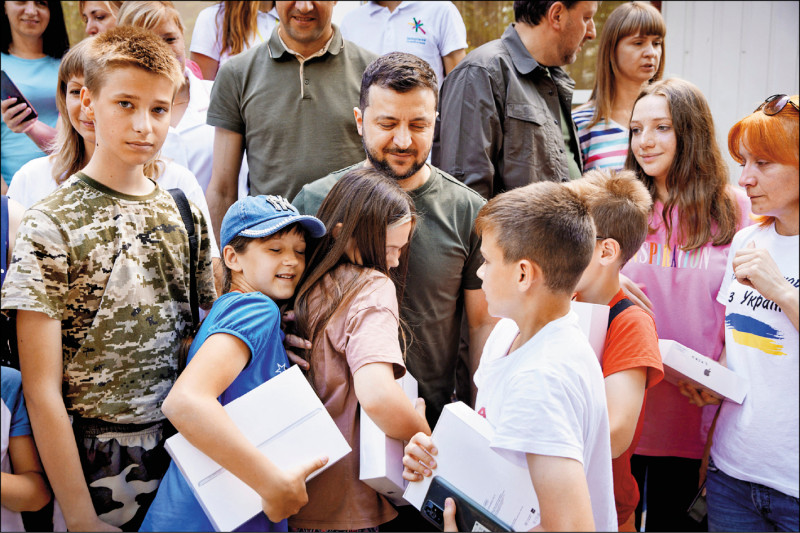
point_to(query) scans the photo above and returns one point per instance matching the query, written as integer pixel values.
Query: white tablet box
(381, 461)
(286, 420)
(682, 363)
(593, 320)
(465, 459)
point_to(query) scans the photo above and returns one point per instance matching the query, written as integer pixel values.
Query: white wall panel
(737, 53)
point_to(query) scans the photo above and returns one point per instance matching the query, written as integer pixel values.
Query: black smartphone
(470, 515)
(698, 510)
(9, 90)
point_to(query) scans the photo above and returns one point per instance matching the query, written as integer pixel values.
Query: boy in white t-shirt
(539, 382)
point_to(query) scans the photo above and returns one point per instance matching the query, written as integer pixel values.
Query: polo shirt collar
(277, 49)
(374, 7)
(522, 59)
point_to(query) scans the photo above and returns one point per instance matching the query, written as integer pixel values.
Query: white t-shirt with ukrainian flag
(758, 441)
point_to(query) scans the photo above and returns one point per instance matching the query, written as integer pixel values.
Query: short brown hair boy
(128, 46)
(546, 223)
(620, 206)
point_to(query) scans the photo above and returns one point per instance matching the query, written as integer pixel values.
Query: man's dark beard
(384, 168)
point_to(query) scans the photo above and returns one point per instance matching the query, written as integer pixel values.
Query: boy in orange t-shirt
(620, 206)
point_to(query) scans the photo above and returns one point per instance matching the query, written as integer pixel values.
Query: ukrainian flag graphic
(748, 331)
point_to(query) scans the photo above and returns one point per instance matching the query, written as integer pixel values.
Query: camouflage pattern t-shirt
(113, 269)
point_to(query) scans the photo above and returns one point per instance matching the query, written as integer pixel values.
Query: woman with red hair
(752, 482)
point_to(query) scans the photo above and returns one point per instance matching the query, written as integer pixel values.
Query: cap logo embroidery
(280, 203)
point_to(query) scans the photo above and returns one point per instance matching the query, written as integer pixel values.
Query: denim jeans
(735, 505)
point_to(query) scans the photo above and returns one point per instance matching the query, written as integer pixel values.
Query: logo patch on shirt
(748, 331)
(417, 24)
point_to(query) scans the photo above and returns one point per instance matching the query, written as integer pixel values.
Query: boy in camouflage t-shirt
(100, 281)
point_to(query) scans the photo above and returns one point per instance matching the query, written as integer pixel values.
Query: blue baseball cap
(261, 216)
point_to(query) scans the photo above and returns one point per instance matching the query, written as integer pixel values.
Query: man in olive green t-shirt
(395, 118)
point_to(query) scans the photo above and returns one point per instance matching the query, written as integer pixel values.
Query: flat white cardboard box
(593, 320)
(286, 420)
(381, 461)
(682, 363)
(465, 459)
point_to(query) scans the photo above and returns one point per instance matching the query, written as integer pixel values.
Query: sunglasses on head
(775, 104)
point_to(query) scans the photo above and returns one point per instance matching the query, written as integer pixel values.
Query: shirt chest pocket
(529, 113)
(524, 133)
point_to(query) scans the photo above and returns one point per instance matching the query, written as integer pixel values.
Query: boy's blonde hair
(620, 206)
(545, 223)
(68, 149)
(129, 46)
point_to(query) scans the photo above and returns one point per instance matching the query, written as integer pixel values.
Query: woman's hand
(698, 397)
(755, 268)
(14, 115)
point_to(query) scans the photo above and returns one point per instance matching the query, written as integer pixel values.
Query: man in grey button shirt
(505, 117)
(289, 101)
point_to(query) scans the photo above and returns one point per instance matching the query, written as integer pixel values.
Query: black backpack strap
(618, 308)
(186, 214)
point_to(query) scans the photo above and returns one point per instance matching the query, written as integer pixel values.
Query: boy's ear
(86, 103)
(609, 251)
(231, 259)
(527, 274)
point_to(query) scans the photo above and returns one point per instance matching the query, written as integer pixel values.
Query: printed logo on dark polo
(748, 331)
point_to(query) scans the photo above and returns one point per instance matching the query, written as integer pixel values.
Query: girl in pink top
(681, 265)
(347, 305)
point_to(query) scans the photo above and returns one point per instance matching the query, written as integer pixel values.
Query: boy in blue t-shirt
(239, 346)
(24, 485)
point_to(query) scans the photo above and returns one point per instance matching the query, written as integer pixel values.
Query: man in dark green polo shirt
(289, 102)
(395, 116)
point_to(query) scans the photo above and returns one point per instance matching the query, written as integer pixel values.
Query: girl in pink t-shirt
(348, 306)
(681, 265)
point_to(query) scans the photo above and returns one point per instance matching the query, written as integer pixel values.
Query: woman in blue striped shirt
(630, 56)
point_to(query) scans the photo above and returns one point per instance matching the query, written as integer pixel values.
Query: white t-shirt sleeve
(452, 30)
(178, 177)
(543, 413)
(206, 33)
(32, 182)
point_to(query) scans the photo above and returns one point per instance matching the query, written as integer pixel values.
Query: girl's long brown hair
(633, 18)
(697, 180)
(365, 203)
(239, 25)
